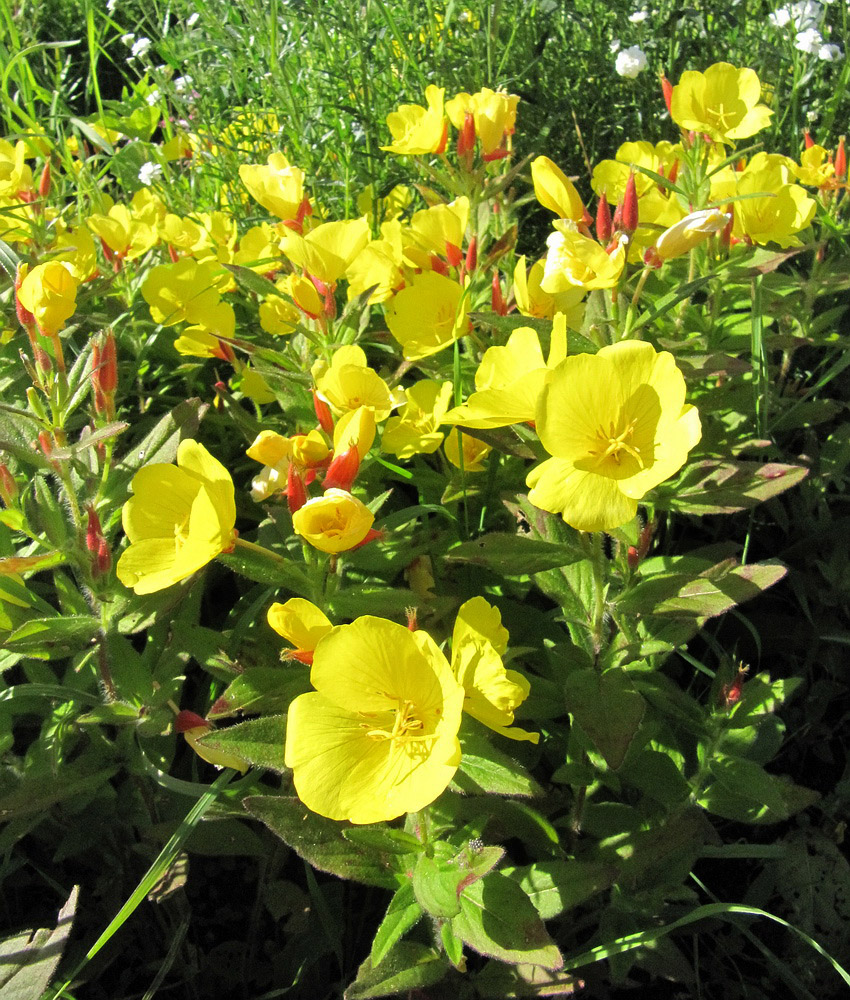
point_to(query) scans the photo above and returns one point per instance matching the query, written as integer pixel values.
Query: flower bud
(807, 138)
(8, 486)
(840, 161)
(471, 261)
(667, 91)
(343, 470)
(630, 206)
(453, 255)
(296, 491)
(44, 180)
(603, 219)
(323, 413)
(496, 301)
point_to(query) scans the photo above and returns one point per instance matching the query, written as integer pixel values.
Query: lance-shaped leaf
(402, 914)
(409, 966)
(716, 590)
(742, 790)
(29, 959)
(320, 841)
(262, 689)
(258, 741)
(499, 920)
(484, 768)
(555, 886)
(726, 487)
(607, 708)
(513, 555)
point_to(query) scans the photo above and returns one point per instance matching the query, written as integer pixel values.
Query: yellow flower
(574, 260)
(474, 451)
(415, 430)
(617, 425)
(49, 292)
(277, 186)
(442, 226)
(335, 522)
(816, 167)
(275, 453)
(417, 130)
(78, 253)
(611, 176)
(722, 103)
(427, 315)
(378, 736)
(302, 624)
(178, 519)
(126, 236)
(328, 250)
(182, 292)
(493, 113)
(350, 383)
(531, 300)
(510, 379)
(278, 317)
(784, 208)
(492, 693)
(555, 191)
(193, 728)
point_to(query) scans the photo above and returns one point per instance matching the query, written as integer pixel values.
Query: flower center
(404, 726)
(609, 444)
(720, 116)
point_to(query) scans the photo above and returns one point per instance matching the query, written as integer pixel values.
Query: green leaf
(387, 602)
(499, 920)
(29, 959)
(717, 590)
(251, 281)
(272, 569)
(453, 947)
(259, 741)
(512, 555)
(555, 886)
(483, 768)
(37, 793)
(9, 260)
(384, 838)
(402, 914)
(498, 981)
(408, 966)
(742, 790)
(435, 885)
(663, 856)
(55, 635)
(607, 708)
(726, 487)
(262, 689)
(320, 841)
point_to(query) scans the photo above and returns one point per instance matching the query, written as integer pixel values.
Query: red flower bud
(466, 136)
(674, 172)
(44, 180)
(633, 558)
(496, 301)
(103, 560)
(441, 148)
(603, 219)
(296, 491)
(472, 254)
(667, 91)
(840, 161)
(107, 369)
(343, 470)
(730, 694)
(807, 138)
(630, 206)
(187, 720)
(94, 532)
(8, 486)
(323, 414)
(439, 265)
(453, 255)
(172, 253)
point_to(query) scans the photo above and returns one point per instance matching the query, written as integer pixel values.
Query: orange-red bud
(496, 300)
(107, 370)
(603, 219)
(94, 532)
(44, 180)
(667, 91)
(633, 558)
(8, 486)
(466, 136)
(472, 254)
(444, 139)
(296, 491)
(453, 255)
(187, 720)
(323, 414)
(630, 206)
(439, 265)
(840, 161)
(343, 470)
(730, 694)
(172, 253)
(807, 138)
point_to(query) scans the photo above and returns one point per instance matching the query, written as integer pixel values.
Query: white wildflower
(829, 52)
(182, 84)
(614, 46)
(630, 62)
(808, 41)
(128, 39)
(639, 16)
(140, 47)
(779, 18)
(149, 172)
(153, 97)
(192, 20)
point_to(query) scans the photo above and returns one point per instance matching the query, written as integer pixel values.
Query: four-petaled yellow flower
(178, 519)
(49, 292)
(335, 522)
(722, 102)
(417, 130)
(378, 736)
(617, 425)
